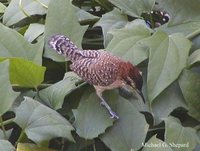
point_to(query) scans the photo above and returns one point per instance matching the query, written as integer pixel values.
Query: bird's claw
(112, 113)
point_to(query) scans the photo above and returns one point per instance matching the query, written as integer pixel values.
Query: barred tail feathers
(64, 46)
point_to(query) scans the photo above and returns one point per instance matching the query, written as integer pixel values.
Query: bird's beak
(141, 94)
(138, 91)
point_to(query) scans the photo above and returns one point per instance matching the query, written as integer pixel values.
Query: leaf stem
(88, 21)
(193, 34)
(94, 147)
(3, 127)
(39, 87)
(20, 137)
(22, 9)
(155, 129)
(45, 6)
(7, 122)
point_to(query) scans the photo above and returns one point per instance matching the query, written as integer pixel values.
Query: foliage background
(45, 106)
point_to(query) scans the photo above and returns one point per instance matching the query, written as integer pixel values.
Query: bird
(99, 68)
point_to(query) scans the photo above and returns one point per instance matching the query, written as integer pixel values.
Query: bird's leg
(112, 113)
(99, 92)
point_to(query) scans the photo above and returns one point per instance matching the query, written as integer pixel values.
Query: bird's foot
(113, 115)
(111, 112)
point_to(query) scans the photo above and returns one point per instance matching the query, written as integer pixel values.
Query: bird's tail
(65, 47)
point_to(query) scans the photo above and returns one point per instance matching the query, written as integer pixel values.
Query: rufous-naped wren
(99, 68)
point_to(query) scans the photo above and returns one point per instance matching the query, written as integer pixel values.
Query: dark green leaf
(17, 11)
(111, 21)
(91, 119)
(175, 134)
(126, 42)
(168, 56)
(12, 44)
(34, 31)
(178, 15)
(41, 123)
(190, 85)
(7, 95)
(134, 7)
(62, 19)
(155, 144)
(129, 132)
(55, 94)
(170, 99)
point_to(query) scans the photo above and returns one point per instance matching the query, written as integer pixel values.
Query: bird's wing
(100, 71)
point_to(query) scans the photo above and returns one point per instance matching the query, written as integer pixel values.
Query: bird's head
(133, 77)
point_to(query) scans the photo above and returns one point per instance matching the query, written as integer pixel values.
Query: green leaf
(25, 73)
(110, 21)
(55, 94)
(194, 57)
(7, 95)
(2, 8)
(178, 15)
(33, 31)
(180, 19)
(134, 7)
(129, 132)
(91, 119)
(155, 144)
(170, 99)
(80, 144)
(6, 146)
(31, 147)
(126, 42)
(62, 19)
(16, 12)
(84, 16)
(7, 132)
(105, 4)
(190, 85)
(184, 28)
(168, 56)
(175, 134)
(12, 44)
(41, 123)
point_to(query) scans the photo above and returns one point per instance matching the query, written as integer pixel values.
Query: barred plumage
(68, 49)
(99, 68)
